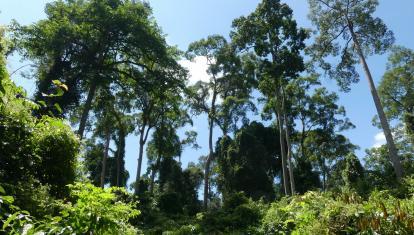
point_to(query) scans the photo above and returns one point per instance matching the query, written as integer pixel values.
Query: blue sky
(185, 21)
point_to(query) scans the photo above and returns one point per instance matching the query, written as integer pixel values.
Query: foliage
(39, 154)
(94, 211)
(57, 147)
(271, 34)
(231, 79)
(345, 213)
(109, 57)
(350, 30)
(238, 215)
(397, 87)
(253, 156)
(334, 19)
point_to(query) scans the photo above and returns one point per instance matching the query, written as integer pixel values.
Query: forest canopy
(278, 157)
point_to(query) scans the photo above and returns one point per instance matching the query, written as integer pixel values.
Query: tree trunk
(289, 157)
(211, 151)
(105, 157)
(120, 157)
(289, 146)
(324, 180)
(302, 140)
(283, 153)
(85, 111)
(120, 149)
(140, 156)
(393, 153)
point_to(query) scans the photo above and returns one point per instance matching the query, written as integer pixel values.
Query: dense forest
(281, 164)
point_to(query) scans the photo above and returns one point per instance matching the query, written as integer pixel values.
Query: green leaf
(42, 103)
(59, 92)
(57, 82)
(9, 220)
(57, 106)
(2, 190)
(7, 199)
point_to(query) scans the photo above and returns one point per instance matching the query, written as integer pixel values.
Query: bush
(57, 147)
(344, 213)
(93, 211)
(238, 215)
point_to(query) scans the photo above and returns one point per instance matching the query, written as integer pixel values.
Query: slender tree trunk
(105, 157)
(211, 151)
(324, 180)
(289, 157)
(392, 149)
(283, 153)
(120, 157)
(118, 169)
(120, 148)
(85, 111)
(302, 140)
(140, 156)
(289, 146)
(207, 169)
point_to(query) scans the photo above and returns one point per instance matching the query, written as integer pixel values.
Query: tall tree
(166, 142)
(396, 89)
(340, 22)
(124, 126)
(272, 34)
(88, 44)
(104, 127)
(159, 96)
(321, 119)
(229, 81)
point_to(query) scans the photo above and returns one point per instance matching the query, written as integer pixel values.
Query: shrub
(238, 215)
(343, 213)
(93, 211)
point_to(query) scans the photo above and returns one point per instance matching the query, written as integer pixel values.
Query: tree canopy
(278, 159)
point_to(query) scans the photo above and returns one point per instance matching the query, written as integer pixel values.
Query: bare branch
(326, 4)
(19, 69)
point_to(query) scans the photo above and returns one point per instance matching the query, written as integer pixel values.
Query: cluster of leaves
(344, 213)
(238, 215)
(38, 154)
(173, 202)
(93, 211)
(253, 156)
(314, 212)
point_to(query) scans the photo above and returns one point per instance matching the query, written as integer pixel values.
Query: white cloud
(198, 72)
(379, 140)
(197, 69)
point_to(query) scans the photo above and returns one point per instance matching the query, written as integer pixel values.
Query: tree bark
(85, 111)
(211, 151)
(105, 157)
(392, 149)
(283, 153)
(120, 156)
(324, 180)
(302, 140)
(140, 156)
(289, 157)
(120, 149)
(289, 146)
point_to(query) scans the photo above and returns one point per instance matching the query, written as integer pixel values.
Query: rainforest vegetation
(278, 160)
